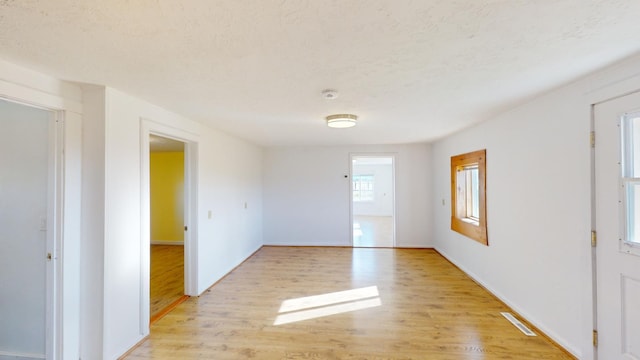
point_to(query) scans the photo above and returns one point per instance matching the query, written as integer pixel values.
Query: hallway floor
(372, 231)
(167, 276)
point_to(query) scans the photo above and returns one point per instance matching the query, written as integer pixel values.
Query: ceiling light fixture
(341, 121)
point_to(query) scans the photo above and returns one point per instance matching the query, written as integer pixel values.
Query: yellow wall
(167, 196)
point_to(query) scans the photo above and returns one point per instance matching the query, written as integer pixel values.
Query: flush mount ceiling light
(341, 121)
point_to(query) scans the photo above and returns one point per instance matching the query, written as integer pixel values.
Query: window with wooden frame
(468, 195)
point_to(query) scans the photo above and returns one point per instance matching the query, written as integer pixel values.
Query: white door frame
(594, 270)
(55, 232)
(393, 188)
(150, 127)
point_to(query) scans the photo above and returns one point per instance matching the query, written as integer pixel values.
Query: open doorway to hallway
(167, 205)
(373, 200)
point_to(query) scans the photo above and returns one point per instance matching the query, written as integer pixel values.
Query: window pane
(363, 187)
(475, 194)
(631, 175)
(631, 144)
(461, 198)
(633, 215)
(469, 192)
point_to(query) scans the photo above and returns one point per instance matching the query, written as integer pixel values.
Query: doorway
(167, 204)
(189, 142)
(373, 200)
(28, 177)
(617, 221)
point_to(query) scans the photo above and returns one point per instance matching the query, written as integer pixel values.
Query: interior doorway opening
(189, 143)
(373, 201)
(167, 214)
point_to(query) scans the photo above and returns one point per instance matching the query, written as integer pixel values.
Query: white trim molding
(4, 355)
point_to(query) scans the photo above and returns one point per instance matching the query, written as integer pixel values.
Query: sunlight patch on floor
(311, 307)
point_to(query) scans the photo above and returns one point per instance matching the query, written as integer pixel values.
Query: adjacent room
(166, 186)
(363, 179)
(372, 208)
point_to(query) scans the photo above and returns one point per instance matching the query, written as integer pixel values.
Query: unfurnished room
(311, 179)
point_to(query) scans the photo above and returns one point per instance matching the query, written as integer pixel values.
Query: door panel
(24, 190)
(617, 172)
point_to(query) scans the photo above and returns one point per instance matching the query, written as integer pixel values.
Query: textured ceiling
(412, 70)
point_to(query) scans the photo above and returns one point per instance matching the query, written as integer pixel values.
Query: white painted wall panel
(93, 200)
(229, 175)
(538, 205)
(29, 86)
(533, 210)
(306, 194)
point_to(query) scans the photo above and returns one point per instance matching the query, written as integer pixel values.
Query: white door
(617, 203)
(25, 239)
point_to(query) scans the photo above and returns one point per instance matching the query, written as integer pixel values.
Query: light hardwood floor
(425, 308)
(167, 276)
(372, 231)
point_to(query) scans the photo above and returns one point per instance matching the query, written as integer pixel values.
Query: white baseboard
(313, 244)
(5, 355)
(163, 242)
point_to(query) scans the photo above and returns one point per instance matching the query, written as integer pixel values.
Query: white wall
(382, 204)
(24, 179)
(93, 225)
(30, 87)
(538, 206)
(229, 175)
(102, 162)
(306, 194)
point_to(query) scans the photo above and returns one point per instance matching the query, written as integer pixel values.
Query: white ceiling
(413, 71)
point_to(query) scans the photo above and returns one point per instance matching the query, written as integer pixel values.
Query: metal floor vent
(525, 330)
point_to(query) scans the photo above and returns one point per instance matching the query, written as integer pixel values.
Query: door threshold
(168, 309)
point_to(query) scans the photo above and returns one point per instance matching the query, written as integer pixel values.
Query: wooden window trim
(474, 230)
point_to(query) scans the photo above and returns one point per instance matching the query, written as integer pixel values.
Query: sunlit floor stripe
(328, 299)
(326, 311)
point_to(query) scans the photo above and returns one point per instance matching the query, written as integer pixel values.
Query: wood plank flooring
(372, 231)
(167, 276)
(383, 304)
